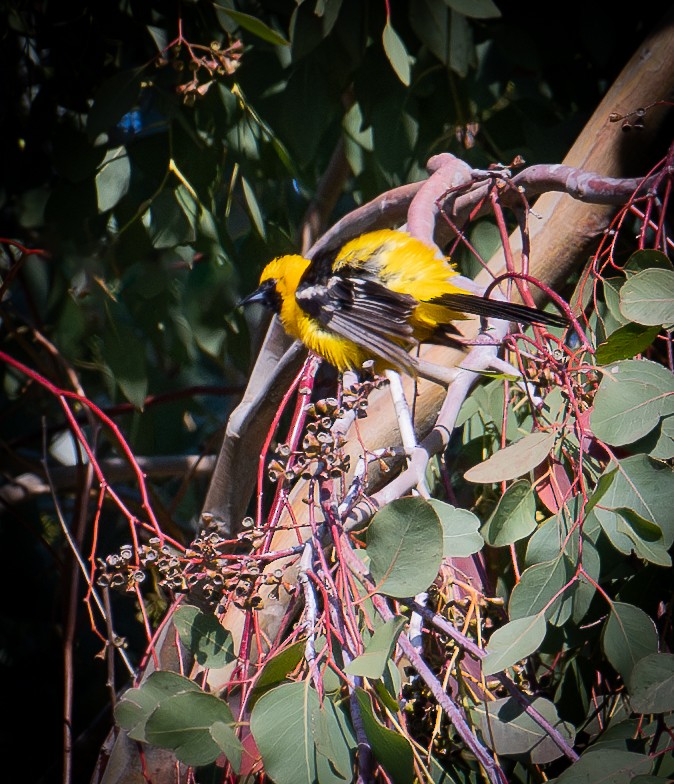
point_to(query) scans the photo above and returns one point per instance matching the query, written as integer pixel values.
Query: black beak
(265, 294)
(256, 296)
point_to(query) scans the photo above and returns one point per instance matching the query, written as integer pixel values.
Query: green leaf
(648, 297)
(460, 534)
(626, 342)
(514, 517)
(583, 589)
(168, 221)
(632, 397)
(651, 684)
(197, 727)
(606, 766)
(475, 9)
(537, 587)
(647, 259)
(513, 461)
(614, 318)
(646, 487)
(396, 53)
(253, 208)
(276, 669)
(628, 635)
(113, 179)
(374, 660)
(136, 705)
(511, 732)
(335, 742)
(513, 642)
(205, 636)
(461, 44)
(388, 688)
(281, 723)
(391, 749)
(128, 368)
(254, 26)
(430, 22)
(404, 544)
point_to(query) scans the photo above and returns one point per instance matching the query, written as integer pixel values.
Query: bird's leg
(405, 424)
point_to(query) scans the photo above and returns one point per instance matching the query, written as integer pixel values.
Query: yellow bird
(381, 295)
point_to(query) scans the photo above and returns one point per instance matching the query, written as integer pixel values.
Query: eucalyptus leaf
(281, 723)
(537, 587)
(405, 544)
(276, 669)
(373, 661)
(514, 461)
(632, 397)
(626, 342)
(646, 487)
(606, 766)
(204, 635)
(113, 178)
(648, 297)
(651, 683)
(137, 704)
(128, 368)
(513, 642)
(510, 731)
(628, 635)
(197, 727)
(390, 748)
(460, 530)
(396, 53)
(514, 517)
(475, 9)
(254, 25)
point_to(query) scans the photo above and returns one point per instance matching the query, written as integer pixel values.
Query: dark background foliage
(147, 256)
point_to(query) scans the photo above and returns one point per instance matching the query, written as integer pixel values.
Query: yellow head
(278, 282)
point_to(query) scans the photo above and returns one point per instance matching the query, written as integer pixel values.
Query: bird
(376, 298)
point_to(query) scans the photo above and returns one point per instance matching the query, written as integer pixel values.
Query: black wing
(361, 309)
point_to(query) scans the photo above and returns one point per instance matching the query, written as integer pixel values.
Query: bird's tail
(494, 308)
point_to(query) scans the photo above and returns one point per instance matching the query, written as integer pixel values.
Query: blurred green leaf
(396, 53)
(113, 179)
(168, 221)
(477, 9)
(254, 25)
(128, 368)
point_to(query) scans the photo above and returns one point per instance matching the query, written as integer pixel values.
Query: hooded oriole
(379, 296)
